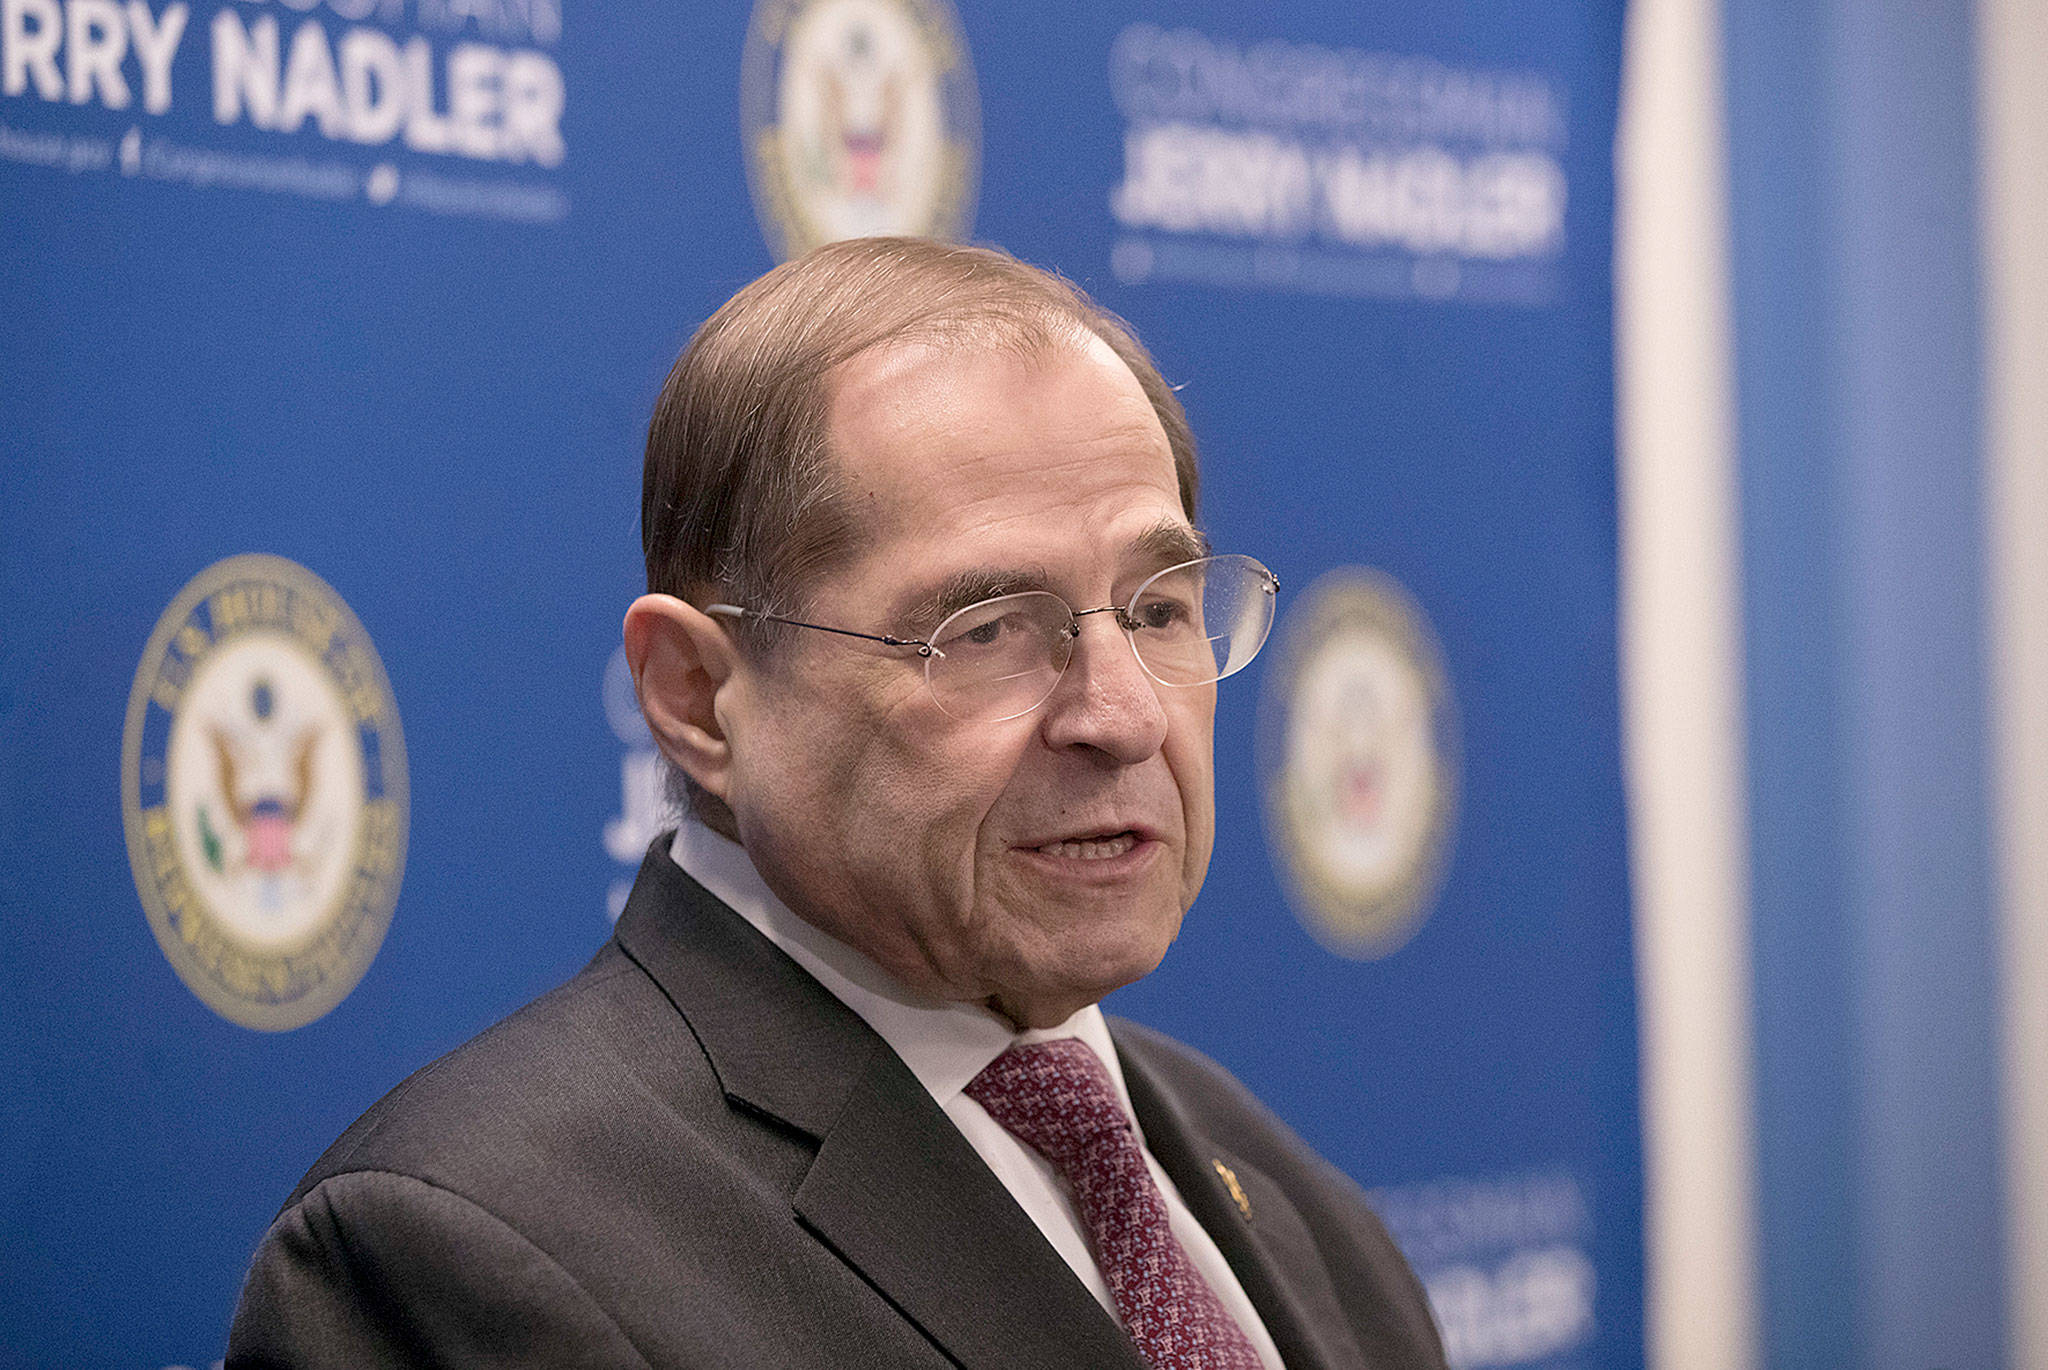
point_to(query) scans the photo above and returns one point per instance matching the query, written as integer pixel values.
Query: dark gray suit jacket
(693, 1155)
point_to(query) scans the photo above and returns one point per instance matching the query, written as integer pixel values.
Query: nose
(1105, 701)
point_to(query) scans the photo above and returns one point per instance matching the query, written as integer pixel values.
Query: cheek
(795, 766)
(1190, 754)
(920, 794)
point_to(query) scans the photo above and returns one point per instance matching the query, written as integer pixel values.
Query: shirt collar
(945, 1043)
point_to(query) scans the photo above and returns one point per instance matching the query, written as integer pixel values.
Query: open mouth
(1100, 847)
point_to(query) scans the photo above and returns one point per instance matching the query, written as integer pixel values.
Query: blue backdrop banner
(331, 328)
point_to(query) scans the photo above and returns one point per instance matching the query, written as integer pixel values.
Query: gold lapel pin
(1244, 1205)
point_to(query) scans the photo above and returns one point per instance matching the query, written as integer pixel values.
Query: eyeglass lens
(1190, 625)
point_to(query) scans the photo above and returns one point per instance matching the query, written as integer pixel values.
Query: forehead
(1000, 446)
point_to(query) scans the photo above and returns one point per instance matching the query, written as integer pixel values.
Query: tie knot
(1055, 1096)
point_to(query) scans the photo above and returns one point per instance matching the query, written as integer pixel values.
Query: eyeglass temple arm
(735, 611)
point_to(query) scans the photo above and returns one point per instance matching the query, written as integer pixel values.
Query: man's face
(1034, 864)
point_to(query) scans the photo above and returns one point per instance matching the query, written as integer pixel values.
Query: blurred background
(1833, 316)
(1633, 845)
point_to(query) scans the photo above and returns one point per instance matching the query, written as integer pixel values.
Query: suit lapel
(894, 1189)
(901, 1195)
(1261, 1235)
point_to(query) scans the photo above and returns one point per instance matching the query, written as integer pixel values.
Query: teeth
(1092, 849)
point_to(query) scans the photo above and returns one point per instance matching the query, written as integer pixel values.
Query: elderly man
(932, 643)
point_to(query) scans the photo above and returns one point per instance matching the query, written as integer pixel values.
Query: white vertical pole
(1682, 689)
(2013, 212)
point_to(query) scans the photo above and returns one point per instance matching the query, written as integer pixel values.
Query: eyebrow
(1165, 543)
(1169, 543)
(971, 587)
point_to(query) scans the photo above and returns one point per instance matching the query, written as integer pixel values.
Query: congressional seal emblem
(1358, 752)
(860, 117)
(263, 788)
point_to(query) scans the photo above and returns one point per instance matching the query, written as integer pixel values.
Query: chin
(1088, 973)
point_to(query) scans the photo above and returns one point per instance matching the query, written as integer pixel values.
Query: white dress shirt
(946, 1045)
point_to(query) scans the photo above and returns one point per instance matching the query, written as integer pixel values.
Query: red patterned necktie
(1056, 1098)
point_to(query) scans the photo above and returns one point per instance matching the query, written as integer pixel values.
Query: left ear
(681, 658)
